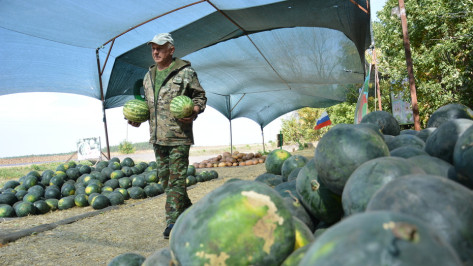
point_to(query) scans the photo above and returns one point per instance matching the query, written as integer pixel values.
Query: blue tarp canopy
(257, 59)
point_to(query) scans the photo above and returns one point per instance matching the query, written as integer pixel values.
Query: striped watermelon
(181, 106)
(136, 111)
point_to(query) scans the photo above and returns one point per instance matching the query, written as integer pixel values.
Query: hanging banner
(402, 110)
(88, 148)
(362, 103)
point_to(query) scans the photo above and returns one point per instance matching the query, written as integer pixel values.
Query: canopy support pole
(227, 98)
(262, 136)
(410, 69)
(102, 97)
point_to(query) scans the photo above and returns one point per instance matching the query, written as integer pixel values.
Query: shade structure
(256, 59)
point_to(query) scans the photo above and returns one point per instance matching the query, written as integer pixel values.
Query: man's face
(162, 53)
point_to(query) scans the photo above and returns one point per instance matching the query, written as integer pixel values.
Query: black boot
(167, 231)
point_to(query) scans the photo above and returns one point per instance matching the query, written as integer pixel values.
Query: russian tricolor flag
(323, 121)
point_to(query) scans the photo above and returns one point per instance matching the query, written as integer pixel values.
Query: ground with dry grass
(136, 226)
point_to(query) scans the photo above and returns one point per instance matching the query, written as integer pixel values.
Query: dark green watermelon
(100, 202)
(296, 256)
(41, 206)
(6, 211)
(239, 223)
(407, 152)
(11, 184)
(448, 112)
(73, 173)
(52, 192)
(161, 257)
(304, 235)
(8, 198)
(113, 183)
(317, 198)
(297, 210)
(24, 208)
(446, 206)
(441, 143)
(384, 120)
(116, 198)
(409, 132)
(405, 140)
(152, 190)
(432, 165)
(293, 175)
(128, 259)
(342, 149)
(369, 177)
(269, 179)
(292, 163)
(380, 238)
(425, 133)
(128, 162)
(275, 159)
(136, 193)
(463, 157)
(287, 189)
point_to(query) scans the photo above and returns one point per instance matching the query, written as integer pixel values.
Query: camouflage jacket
(182, 80)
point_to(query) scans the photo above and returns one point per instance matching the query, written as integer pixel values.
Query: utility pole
(410, 69)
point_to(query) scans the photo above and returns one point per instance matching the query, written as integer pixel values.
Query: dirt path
(136, 226)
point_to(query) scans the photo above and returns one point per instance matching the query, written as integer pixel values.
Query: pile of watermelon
(371, 195)
(108, 183)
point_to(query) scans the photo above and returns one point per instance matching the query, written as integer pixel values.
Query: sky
(50, 123)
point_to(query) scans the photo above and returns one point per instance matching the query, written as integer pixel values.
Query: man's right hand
(135, 124)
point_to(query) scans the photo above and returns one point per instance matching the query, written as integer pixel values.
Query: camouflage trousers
(172, 164)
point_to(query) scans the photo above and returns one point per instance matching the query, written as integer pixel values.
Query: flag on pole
(362, 103)
(324, 120)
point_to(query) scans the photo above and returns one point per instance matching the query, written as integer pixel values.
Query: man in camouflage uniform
(171, 137)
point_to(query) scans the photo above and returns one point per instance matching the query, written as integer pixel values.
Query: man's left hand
(192, 117)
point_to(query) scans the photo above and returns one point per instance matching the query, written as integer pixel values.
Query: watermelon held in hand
(181, 106)
(136, 111)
